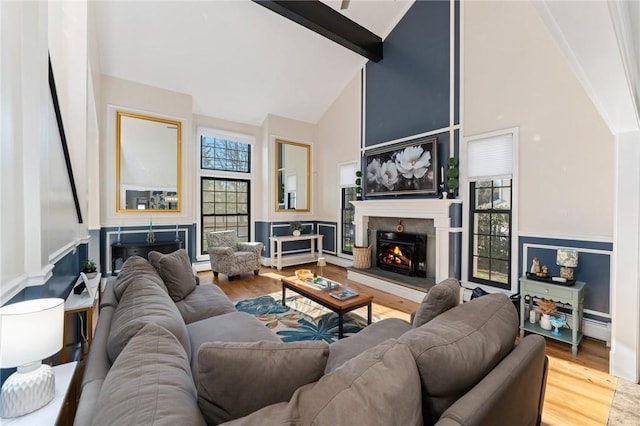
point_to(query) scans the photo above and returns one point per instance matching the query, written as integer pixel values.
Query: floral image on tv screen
(409, 168)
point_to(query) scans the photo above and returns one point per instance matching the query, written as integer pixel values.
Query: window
(226, 155)
(490, 232)
(347, 215)
(225, 184)
(225, 206)
(491, 224)
(347, 173)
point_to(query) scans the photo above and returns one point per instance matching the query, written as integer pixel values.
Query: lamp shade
(322, 261)
(30, 331)
(568, 258)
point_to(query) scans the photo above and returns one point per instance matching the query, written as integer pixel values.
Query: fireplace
(402, 253)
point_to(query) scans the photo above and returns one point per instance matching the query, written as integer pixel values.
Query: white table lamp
(30, 331)
(567, 260)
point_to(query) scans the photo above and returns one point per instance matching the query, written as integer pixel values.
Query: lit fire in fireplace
(395, 256)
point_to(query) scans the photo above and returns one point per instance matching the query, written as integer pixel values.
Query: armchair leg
(256, 272)
(231, 277)
(215, 274)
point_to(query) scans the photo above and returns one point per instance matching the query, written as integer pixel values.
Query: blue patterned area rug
(301, 319)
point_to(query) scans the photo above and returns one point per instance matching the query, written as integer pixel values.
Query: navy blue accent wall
(594, 265)
(262, 235)
(64, 275)
(407, 93)
(455, 259)
(455, 212)
(456, 70)
(263, 231)
(138, 234)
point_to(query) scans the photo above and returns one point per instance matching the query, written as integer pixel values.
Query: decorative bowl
(557, 322)
(304, 274)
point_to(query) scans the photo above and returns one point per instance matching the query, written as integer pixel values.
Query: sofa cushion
(207, 300)
(142, 302)
(150, 383)
(440, 298)
(455, 350)
(176, 271)
(134, 268)
(370, 336)
(381, 386)
(232, 327)
(260, 374)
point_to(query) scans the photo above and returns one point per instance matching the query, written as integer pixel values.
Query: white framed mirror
(148, 164)
(293, 168)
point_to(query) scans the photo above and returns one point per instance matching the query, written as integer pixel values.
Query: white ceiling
(239, 60)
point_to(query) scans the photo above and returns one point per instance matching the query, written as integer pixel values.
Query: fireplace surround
(438, 210)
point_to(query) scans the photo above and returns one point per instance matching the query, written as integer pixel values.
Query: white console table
(316, 243)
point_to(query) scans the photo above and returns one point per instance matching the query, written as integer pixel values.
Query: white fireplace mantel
(436, 209)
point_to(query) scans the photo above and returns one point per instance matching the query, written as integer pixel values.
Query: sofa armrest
(252, 247)
(511, 394)
(220, 251)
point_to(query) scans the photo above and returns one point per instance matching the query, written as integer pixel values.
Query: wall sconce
(567, 259)
(30, 331)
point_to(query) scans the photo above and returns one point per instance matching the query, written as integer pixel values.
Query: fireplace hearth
(402, 253)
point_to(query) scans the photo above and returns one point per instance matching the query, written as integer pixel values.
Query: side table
(84, 304)
(569, 295)
(50, 413)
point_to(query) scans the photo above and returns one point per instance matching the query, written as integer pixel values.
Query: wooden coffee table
(322, 297)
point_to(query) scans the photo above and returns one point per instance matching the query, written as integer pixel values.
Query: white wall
(129, 96)
(337, 141)
(515, 75)
(38, 223)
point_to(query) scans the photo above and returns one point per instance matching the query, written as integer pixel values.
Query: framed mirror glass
(293, 167)
(148, 165)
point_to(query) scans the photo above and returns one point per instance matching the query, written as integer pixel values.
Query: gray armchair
(230, 257)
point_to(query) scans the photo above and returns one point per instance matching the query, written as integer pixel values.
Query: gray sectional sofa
(169, 351)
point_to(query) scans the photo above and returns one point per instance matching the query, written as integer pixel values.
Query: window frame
(473, 210)
(465, 186)
(251, 177)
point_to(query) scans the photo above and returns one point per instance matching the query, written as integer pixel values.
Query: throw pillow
(442, 297)
(381, 386)
(176, 272)
(458, 348)
(150, 383)
(143, 302)
(260, 374)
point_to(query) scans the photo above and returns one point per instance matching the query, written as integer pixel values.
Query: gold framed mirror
(293, 171)
(148, 164)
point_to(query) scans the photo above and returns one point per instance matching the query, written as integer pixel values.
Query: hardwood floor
(579, 391)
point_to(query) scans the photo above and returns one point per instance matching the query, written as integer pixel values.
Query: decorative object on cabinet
(30, 331)
(567, 260)
(535, 266)
(408, 168)
(90, 268)
(297, 228)
(557, 323)
(452, 174)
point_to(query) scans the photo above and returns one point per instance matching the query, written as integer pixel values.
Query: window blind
(490, 157)
(348, 174)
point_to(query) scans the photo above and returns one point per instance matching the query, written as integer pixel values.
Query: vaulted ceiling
(238, 60)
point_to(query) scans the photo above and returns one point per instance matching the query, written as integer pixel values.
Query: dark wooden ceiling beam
(329, 23)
